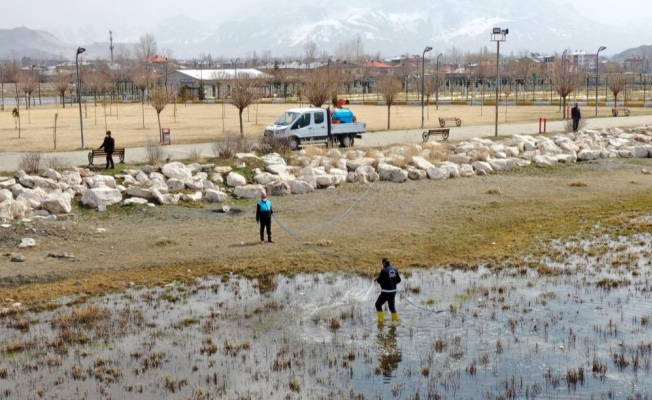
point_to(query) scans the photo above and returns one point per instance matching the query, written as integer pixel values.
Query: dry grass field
(196, 123)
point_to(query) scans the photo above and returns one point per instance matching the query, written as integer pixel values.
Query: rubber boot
(394, 317)
(381, 316)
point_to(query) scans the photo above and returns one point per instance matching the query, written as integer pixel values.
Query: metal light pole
(423, 82)
(597, 75)
(111, 46)
(81, 121)
(498, 35)
(2, 81)
(235, 70)
(437, 84)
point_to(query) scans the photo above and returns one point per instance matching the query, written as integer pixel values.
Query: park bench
(443, 132)
(442, 121)
(625, 110)
(101, 153)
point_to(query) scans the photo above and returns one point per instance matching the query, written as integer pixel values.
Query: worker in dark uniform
(109, 146)
(264, 218)
(388, 279)
(576, 115)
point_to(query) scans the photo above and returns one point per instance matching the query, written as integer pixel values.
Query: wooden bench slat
(445, 132)
(442, 121)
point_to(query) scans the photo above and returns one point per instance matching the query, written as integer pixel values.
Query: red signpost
(165, 136)
(542, 121)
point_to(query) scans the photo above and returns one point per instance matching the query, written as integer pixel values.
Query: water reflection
(389, 352)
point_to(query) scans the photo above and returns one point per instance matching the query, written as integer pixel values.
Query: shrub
(230, 144)
(155, 153)
(30, 162)
(195, 156)
(56, 163)
(568, 126)
(268, 145)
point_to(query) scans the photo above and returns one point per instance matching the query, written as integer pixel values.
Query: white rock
(300, 187)
(174, 185)
(141, 177)
(416, 174)
(102, 196)
(6, 195)
(438, 174)
(51, 174)
(129, 180)
(208, 185)
(17, 189)
(156, 184)
(278, 189)
(587, 155)
(241, 156)
(176, 170)
(71, 178)
(502, 165)
(548, 160)
(365, 174)
(27, 242)
(156, 175)
(234, 179)
(485, 167)
(217, 178)
(391, 173)
(458, 159)
(249, 191)
(13, 209)
(137, 191)
(194, 167)
(466, 171)
(57, 202)
(32, 197)
(194, 183)
(266, 178)
(273, 159)
(7, 183)
(38, 182)
(99, 181)
(452, 168)
(148, 169)
(328, 180)
(565, 158)
(192, 197)
(222, 170)
(352, 165)
(134, 201)
(215, 196)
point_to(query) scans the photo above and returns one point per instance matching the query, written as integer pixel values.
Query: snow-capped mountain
(389, 27)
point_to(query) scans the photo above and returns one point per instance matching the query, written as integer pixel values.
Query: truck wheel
(294, 143)
(346, 141)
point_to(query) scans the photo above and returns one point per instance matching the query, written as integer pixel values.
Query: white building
(217, 82)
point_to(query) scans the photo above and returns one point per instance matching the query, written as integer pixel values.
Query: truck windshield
(287, 118)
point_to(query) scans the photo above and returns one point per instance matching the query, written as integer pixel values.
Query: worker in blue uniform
(388, 279)
(264, 218)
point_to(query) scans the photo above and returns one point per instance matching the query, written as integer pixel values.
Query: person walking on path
(264, 218)
(109, 146)
(576, 115)
(388, 279)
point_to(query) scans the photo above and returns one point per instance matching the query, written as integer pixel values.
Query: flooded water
(571, 323)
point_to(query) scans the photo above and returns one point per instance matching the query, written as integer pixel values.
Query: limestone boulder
(174, 185)
(101, 196)
(33, 182)
(195, 183)
(5, 194)
(466, 171)
(13, 209)
(197, 196)
(459, 159)
(141, 177)
(546, 160)
(438, 174)
(300, 187)
(51, 174)
(281, 188)
(222, 170)
(587, 155)
(176, 170)
(273, 159)
(57, 202)
(32, 197)
(215, 196)
(137, 191)
(99, 181)
(421, 163)
(71, 178)
(17, 189)
(217, 178)
(265, 178)
(241, 156)
(352, 165)
(365, 174)
(484, 168)
(8, 183)
(234, 179)
(392, 173)
(452, 168)
(156, 184)
(416, 174)
(502, 165)
(249, 191)
(134, 201)
(208, 185)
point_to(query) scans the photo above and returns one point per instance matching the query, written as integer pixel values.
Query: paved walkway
(9, 160)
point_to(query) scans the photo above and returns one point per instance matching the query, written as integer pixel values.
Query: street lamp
(81, 121)
(423, 76)
(2, 81)
(437, 84)
(498, 35)
(235, 70)
(597, 74)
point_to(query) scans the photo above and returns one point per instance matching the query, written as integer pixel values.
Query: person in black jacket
(576, 115)
(264, 218)
(388, 279)
(109, 146)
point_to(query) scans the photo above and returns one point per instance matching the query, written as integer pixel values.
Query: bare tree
(566, 81)
(61, 81)
(389, 87)
(320, 85)
(96, 82)
(159, 98)
(521, 70)
(139, 77)
(616, 83)
(310, 48)
(27, 83)
(146, 46)
(245, 89)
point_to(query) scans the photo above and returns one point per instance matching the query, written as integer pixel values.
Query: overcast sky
(45, 14)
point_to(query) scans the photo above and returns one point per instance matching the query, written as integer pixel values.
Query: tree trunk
(615, 100)
(158, 115)
(388, 114)
(241, 128)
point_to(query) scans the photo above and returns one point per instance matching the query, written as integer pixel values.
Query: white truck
(314, 125)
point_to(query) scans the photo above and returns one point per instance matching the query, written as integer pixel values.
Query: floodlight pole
(597, 77)
(437, 84)
(498, 35)
(81, 121)
(423, 77)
